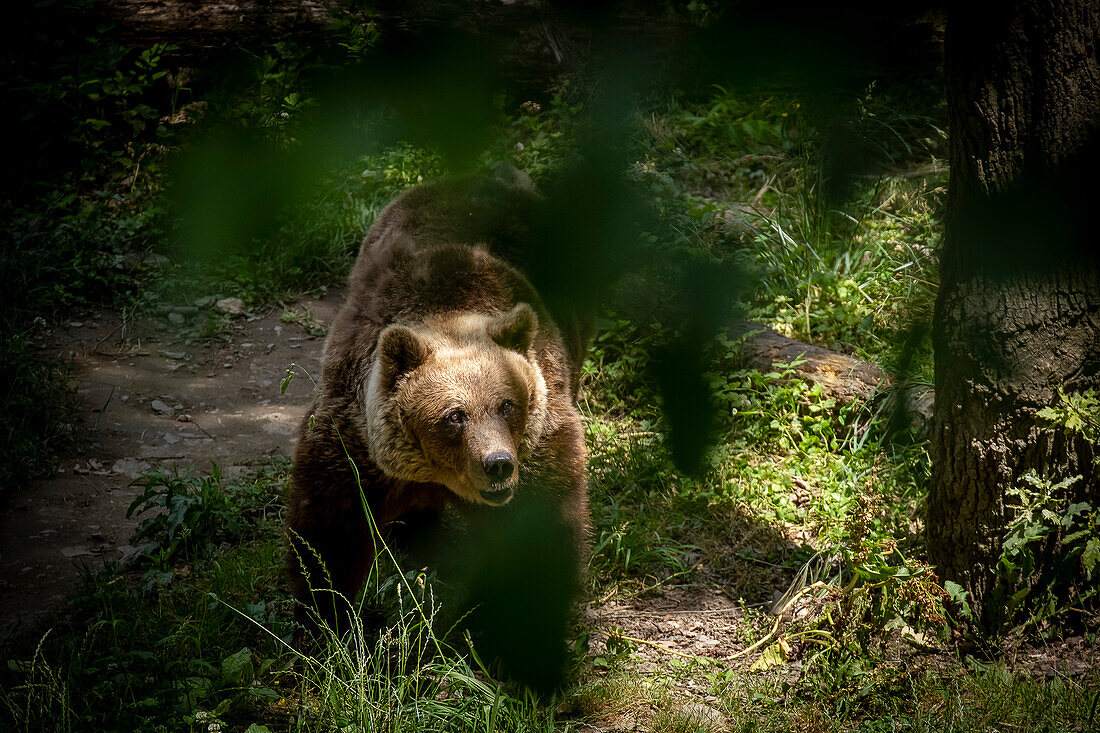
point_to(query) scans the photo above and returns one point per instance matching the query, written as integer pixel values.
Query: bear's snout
(499, 467)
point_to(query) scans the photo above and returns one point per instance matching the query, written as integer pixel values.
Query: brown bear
(445, 383)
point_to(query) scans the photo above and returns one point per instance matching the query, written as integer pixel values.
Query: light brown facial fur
(457, 400)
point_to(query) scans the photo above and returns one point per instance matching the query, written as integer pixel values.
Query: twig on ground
(646, 589)
(778, 618)
(188, 418)
(758, 644)
(655, 645)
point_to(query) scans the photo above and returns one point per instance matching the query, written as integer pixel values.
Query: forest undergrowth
(797, 503)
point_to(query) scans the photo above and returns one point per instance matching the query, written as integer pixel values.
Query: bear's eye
(456, 417)
(507, 408)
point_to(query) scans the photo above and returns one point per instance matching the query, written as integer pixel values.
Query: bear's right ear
(515, 330)
(400, 350)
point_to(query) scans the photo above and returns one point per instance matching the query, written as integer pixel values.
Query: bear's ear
(515, 330)
(400, 350)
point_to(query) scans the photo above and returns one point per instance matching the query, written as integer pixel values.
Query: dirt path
(170, 401)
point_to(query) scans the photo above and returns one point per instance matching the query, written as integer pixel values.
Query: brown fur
(439, 320)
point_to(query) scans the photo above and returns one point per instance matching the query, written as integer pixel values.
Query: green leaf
(237, 668)
(959, 595)
(264, 693)
(1050, 414)
(1073, 511)
(773, 656)
(1091, 555)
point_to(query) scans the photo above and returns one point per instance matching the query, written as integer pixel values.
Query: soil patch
(171, 401)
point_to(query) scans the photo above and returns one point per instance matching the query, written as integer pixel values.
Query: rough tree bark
(1018, 313)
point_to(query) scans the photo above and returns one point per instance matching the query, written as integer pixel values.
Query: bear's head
(457, 400)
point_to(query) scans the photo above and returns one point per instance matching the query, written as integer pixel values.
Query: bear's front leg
(327, 562)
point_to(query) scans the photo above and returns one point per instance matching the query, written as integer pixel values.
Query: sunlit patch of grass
(897, 698)
(858, 274)
(596, 696)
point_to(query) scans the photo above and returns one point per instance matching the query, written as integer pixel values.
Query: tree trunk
(1018, 313)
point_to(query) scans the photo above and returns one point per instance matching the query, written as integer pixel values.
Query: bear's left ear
(400, 350)
(515, 330)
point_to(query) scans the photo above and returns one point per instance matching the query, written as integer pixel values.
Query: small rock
(76, 324)
(76, 551)
(131, 467)
(176, 319)
(160, 406)
(230, 306)
(80, 470)
(705, 717)
(205, 301)
(155, 260)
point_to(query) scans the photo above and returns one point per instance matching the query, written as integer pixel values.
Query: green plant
(1043, 522)
(1079, 412)
(781, 406)
(41, 701)
(121, 658)
(192, 515)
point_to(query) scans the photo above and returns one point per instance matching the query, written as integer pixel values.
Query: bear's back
(469, 211)
(452, 245)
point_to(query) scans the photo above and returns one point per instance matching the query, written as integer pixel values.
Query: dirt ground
(166, 400)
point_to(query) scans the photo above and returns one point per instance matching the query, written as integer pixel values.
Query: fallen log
(530, 44)
(194, 25)
(842, 377)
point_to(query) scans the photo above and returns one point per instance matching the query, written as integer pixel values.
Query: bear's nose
(499, 467)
